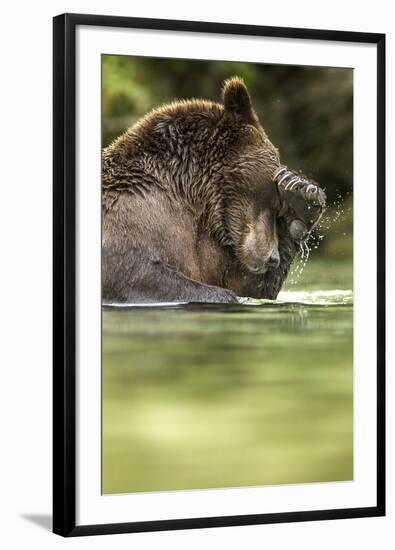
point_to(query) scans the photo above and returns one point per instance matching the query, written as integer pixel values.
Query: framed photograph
(219, 275)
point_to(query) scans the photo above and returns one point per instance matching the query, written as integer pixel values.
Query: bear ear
(236, 98)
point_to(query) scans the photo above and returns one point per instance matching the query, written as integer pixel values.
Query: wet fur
(179, 190)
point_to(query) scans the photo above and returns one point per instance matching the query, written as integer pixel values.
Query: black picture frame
(64, 273)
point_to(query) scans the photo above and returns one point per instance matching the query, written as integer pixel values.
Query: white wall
(25, 272)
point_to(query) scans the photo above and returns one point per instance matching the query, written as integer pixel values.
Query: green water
(209, 396)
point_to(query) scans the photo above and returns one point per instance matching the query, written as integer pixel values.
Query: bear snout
(257, 255)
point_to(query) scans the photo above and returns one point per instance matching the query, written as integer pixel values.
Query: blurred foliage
(306, 111)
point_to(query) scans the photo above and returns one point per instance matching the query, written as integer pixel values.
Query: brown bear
(197, 207)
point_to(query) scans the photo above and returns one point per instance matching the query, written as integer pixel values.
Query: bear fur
(191, 210)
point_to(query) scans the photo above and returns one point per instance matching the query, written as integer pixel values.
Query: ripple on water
(302, 297)
(309, 297)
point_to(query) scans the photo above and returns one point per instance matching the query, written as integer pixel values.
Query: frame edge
(64, 264)
(63, 276)
(381, 279)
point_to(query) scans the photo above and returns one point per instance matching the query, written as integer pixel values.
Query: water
(258, 393)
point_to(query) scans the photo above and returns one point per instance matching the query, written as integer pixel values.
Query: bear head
(246, 216)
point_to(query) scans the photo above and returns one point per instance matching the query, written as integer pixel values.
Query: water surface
(258, 393)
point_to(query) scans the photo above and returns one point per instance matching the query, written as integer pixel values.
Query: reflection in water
(199, 396)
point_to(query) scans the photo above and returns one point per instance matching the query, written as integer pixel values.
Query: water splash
(334, 215)
(307, 297)
(300, 262)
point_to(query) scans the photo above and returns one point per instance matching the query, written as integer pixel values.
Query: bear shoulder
(180, 143)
